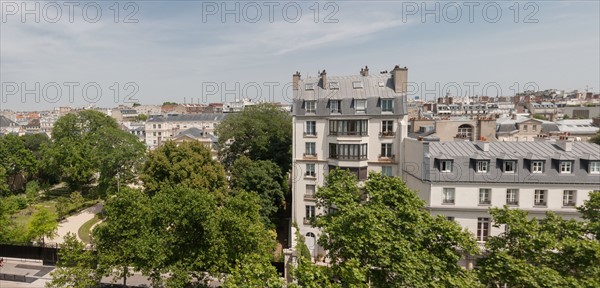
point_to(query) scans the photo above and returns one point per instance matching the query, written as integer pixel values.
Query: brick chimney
(364, 71)
(296, 81)
(324, 79)
(400, 76)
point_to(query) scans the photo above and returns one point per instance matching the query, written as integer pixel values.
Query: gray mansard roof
(465, 154)
(188, 117)
(375, 88)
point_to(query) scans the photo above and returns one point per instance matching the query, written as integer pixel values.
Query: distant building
(454, 129)
(199, 135)
(162, 128)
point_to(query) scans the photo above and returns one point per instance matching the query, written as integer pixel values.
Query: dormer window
(565, 167)
(360, 105)
(310, 106)
(381, 84)
(482, 166)
(510, 166)
(335, 106)
(446, 165)
(334, 85)
(595, 167)
(357, 84)
(309, 86)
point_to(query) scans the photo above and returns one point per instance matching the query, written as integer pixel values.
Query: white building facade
(163, 128)
(357, 123)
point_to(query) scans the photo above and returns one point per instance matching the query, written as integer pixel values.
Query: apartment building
(355, 122)
(462, 180)
(161, 128)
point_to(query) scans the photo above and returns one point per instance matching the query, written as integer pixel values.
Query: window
(595, 167)
(446, 165)
(348, 127)
(387, 105)
(360, 172)
(348, 151)
(537, 167)
(360, 105)
(565, 167)
(485, 196)
(448, 196)
(387, 128)
(357, 84)
(153, 133)
(159, 133)
(509, 166)
(465, 131)
(310, 213)
(335, 106)
(309, 86)
(482, 166)
(334, 85)
(159, 126)
(534, 127)
(154, 126)
(483, 228)
(311, 128)
(450, 218)
(310, 149)
(524, 128)
(569, 198)
(386, 170)
(540, 198)
(386, 150)
(512, 196)
(310, 106)
(310, 170)
(310, 191)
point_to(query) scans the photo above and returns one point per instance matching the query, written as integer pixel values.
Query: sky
(107, 53)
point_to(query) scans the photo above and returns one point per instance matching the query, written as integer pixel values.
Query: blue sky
(179, 51)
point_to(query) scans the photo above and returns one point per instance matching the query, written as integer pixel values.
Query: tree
(307, 274)
(596, 138)
(122, 238)
(76, 266)
(17, 161)
(253, 271)
(189, 164)
(260, 132)
(263, 178)
(43, 225)
(548, 252)
(382, 234)
(141, 117)
(590, 210)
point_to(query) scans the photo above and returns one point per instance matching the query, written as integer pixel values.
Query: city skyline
(184, 50)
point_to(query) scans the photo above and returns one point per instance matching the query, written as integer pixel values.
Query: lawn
(23, 217)
(84, 231)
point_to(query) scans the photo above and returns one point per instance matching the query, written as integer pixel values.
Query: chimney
(484, 146)
(324, 79)
(400, 76)
(566, 145)
(366, 71)
(514, 116)
(296, 81)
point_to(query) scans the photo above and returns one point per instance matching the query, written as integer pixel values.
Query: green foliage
(169, 103)
(43, 225)
(539, 117)
(121, 239)
(76, 267)
(136, 104)
(17, 162)
(263, 178)
(590, 210)
(32, 191)
(260, 132)
(307, 274)
(141, 117)
(190, 164)
(253, 271)
(382, 234)
(548, 252)
(596, 138)
(88, 143)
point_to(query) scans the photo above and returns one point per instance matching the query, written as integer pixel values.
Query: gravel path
(72, 224)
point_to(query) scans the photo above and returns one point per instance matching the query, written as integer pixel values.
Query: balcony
(386, 158)
(309, 155)
(540, 204)
(349, 157)
(387, 134)
(485, 202)
(310, 174)
(512, 203)
(310, 134)
(308, 221)
(349, 133)
(570, 204)
(309, 197)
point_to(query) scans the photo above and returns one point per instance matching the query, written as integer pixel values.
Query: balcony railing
(349, 157)
(309, 196)
(485, 202)
(309, 155)
(569, 204)
(310, 134)
(387, 134)
(387, 158)
(514, 203)
(310, 174)
(308, 221)
(348, 133)
(540, 203)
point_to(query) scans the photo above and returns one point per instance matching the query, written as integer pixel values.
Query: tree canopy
(546, 252)
(188, 164)
(260, 132)
(76, 267)
(382, 234)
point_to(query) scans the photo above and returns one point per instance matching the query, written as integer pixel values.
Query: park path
(72, 223)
